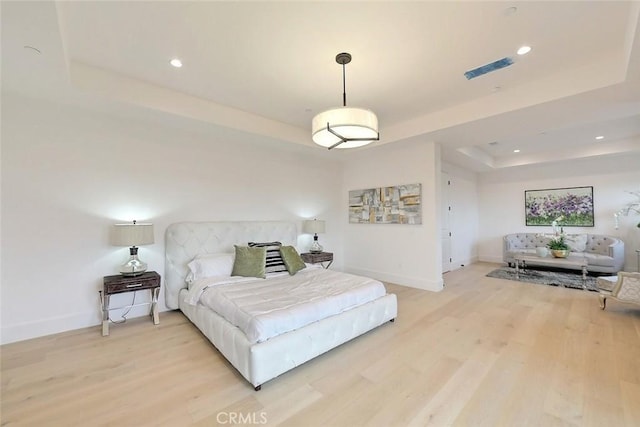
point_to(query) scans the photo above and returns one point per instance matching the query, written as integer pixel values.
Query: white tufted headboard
(185, 240)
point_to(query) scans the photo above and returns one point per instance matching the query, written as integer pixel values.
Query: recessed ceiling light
(176, 63)
(510, 11)
(599, 137)
(524, 50)
(516, 151)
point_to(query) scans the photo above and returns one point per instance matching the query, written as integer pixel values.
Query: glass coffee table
(572, 261)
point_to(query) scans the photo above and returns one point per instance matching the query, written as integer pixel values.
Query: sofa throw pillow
(273, 262)
(292, 259)
(576, 242)
(249, 262)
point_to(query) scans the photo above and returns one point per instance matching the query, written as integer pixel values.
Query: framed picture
(569, 207)
(398, 204)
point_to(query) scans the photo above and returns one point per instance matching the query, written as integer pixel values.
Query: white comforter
(265, 308)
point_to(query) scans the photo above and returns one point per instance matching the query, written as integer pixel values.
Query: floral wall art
(399, 204)
(567, 207)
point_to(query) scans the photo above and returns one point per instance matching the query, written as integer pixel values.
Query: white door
(446, 223)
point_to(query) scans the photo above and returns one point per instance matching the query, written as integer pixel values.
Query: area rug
(545, 277)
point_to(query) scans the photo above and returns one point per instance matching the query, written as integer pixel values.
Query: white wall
(403, 254)
(501, 197)
(68, 174)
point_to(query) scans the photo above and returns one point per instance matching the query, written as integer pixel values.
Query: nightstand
(318, 258)
(119, 284)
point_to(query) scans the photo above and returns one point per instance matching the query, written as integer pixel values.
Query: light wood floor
(484, 352)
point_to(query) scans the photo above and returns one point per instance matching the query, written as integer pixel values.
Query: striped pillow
(274, 262)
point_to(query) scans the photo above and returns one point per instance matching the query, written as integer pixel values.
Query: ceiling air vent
(496, 65)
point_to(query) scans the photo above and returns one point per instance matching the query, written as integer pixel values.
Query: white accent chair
(625, 287)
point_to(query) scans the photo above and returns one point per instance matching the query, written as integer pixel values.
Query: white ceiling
(268, 67)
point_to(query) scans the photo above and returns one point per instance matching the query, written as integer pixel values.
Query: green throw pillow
(291, 259)
(249, 262)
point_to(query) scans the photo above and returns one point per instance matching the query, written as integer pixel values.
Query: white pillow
(576, 242)
(210, 265)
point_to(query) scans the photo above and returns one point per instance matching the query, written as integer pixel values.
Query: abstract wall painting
(400, 204)
(569, 207)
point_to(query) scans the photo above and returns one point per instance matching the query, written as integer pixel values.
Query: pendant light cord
(344, 88)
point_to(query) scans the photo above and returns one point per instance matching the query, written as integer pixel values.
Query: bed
(262, 360)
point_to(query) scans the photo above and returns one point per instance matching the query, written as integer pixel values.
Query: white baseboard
(463, 263)
(412, 282)
(56, 325)
(53, 325)
(491, 258)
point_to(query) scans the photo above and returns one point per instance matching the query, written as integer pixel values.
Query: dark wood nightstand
(318, 258)
(118, 284)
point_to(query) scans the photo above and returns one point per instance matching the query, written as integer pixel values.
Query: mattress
(265, 308)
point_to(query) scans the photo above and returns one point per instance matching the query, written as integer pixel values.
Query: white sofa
(604, 254)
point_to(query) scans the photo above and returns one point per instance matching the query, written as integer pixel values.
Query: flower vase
(560, 253)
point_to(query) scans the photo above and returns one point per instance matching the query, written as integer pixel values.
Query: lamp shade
(348, 122)
(134, 234)
(313, 226)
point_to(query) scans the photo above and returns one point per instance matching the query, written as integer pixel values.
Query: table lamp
(134, 234)
(314, 226)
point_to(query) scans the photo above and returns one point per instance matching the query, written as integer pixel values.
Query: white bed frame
(258, 363)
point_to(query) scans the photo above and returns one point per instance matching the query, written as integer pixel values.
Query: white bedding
(265, 308)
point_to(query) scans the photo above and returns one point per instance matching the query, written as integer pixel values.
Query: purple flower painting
(574, 205)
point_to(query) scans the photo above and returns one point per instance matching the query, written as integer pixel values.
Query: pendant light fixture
(345, 127)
